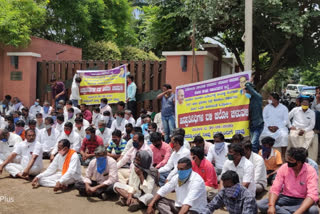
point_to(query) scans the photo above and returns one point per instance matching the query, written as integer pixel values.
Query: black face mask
(158, 146)
(292, 164)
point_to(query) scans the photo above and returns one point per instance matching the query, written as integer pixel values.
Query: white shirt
(59, 127)
(81, 132)
(106, 108)
(75, 141)
(73, 172)
(132, 121)
(302, 120)
(315, 106)
(34, 110)
(157, 119)
(276, 116)
(75, 92)
(44, 115)
(245, 170)
(96, 118)
(48, 142)
(106, 135)
(186, 144)
(2, 123)
(260, 171)
(192, 193)
(139, 123)
(122, 126)
(219, 159)
(173, 162)
(6, 148)
(26, 150)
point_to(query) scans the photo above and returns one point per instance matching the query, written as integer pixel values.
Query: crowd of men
(144, 160)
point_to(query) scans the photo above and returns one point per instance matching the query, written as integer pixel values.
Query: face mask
(102, 105)
(15, 120)
(304, 107)
(135, 144)
(36, 103)
(4, 106)
(266, 152)
(233, 192)
(230, 157)
(270, 101)
(101, 129)
(88, 136)
(184, 174)
(4, 140)
(131, 136)
(47, 127)
(158, 146)
(45, 109)
(54, 118)
(70, 115)
(19, 130)
(101, 164)
(106, 118)
(126, 117)
(119, 120)
(67, 132)
(218, 147)
(248, 95)
(292, 164)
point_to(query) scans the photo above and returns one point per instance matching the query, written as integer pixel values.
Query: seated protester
(161, 150)
(103, 132)
(89, 144)
(138, 144)
(69, 105)
(46, 109)
(182, 132)
(16, 116)
(260, 172)
(2, 122)
(85, 122)
(117, 145)
(168, 171)
(32, 125)
(71, 116)
(129, 118)
(129, 143)
(31, 158)
(272, 158)
(96, 117)
(119, 123)
(139, 121)
(151, 112)
(69, 134)
(127, 136)
(8, 141)
(146, 119)
(158, 121)
(17, 104)
(275, 116)
(142, 182)
(237, 138)
(205, 169)
(19, 129)
(87, 115)
(105, 107)
(59, 125)
(121, 106)
(295, 189)
(25, 116)
(190, 191)
(107, 118)
(80, 128)
(152, 127)
(199, 141)
(36, 108)
(301, 128)
(39, 119)
(60, 110)
(241, 165)
(48, 137)
(236, 198)
(217, 153)
(101, 175)
(10, 123)
(6, 108)
(64, 170)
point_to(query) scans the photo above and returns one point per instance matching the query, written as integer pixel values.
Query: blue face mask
(101, 164)
(102, 105)
(4, 140)
(54, 118)
(36, 103)
(15, 120)
(4, 105)
(248, 95)
(234, 191)
(135, 144)
(88, 137)
(131, 136)
(184, 174)
(45, 109)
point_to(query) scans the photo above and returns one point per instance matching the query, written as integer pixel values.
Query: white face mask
(106, 118)
(270, 101)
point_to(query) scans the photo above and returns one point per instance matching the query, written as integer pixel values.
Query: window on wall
(14, 61)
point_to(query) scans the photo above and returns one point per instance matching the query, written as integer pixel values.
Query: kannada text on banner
(98, 84)
(212, 106)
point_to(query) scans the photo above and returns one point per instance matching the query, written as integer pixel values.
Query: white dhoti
(50, 181)
(144, 198)
(123, 175)
(301, 141)
(14, 168)
(280, 136)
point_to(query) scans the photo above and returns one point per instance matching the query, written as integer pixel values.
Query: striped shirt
(117, 149)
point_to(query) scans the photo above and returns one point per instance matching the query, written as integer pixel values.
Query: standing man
(131, 95)
(75, 91)
(167, 111)
(58, 91)
(255, 115)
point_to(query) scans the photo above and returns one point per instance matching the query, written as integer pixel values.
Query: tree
(77, 22)
(102, 51)
(17, 20)
(311, 76)
(286, 32)
(133, 53)
(164, 27)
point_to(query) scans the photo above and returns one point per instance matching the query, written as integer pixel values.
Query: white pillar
(248, 36)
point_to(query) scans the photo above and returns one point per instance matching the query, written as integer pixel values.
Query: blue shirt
(131, 91)
(167, 106)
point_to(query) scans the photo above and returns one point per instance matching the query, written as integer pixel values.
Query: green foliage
(78, 21)
(102, 51)
(133, 53)
(164, 27)
(18, 18)
(311, 76)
